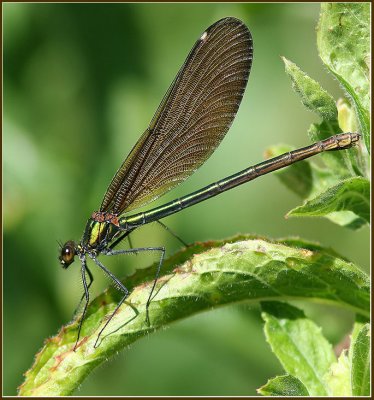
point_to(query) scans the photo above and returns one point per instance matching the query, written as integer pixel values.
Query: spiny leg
(86, 294)
(136, 251)
(162, 249)
(126, 234)
(88, 287)
(172, 233)
(120, 286)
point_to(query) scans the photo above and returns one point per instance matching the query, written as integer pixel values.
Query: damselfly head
(67, 253)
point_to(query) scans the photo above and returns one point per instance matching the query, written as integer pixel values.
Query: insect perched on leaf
(192, 119)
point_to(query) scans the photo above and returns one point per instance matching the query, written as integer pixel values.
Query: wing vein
(192, 119)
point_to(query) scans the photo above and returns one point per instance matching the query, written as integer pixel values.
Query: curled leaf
(299, 345)
(313, 96)
(195, 279)
(285, 385)
(351, 195)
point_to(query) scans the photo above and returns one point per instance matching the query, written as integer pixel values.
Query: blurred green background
(81, 83)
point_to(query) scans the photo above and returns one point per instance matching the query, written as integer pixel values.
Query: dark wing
(192, 119)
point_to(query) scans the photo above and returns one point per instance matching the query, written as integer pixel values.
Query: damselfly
(192, 119)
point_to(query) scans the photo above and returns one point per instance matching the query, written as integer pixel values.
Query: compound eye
(67, 254)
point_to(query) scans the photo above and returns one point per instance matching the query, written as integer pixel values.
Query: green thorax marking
(99, 233)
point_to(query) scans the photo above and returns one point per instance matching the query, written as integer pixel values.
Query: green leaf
(343, 39)
(195, 279)
(338, 377)
(298, 344)
(285, 385)
(349, 195)
(360, 359)
(312, 95)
